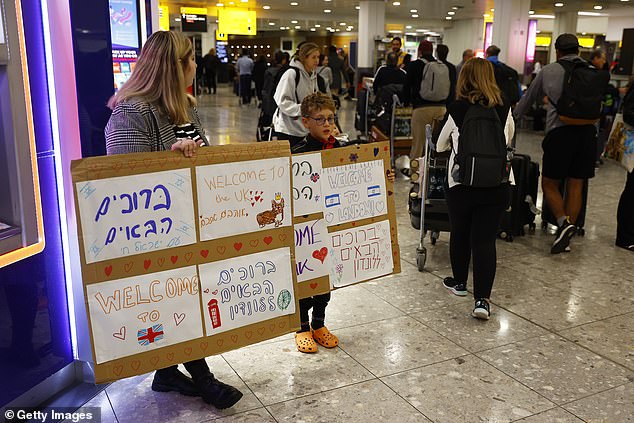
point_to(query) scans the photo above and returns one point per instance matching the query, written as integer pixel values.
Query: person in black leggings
(625, 216)
(474, 213)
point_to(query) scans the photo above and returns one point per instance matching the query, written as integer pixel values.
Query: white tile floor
(559, 346)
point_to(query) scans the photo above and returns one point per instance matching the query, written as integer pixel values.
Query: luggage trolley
(434, 213)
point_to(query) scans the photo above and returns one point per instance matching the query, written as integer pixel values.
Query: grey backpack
(435, 83)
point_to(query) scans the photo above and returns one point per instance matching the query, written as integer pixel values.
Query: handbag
(628, 150)
(616, 141)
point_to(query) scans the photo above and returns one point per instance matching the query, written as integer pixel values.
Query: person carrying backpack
(478, 128)
(426, 88)
(506, 77)
(625, 211)
(574, 90)
(294, 84)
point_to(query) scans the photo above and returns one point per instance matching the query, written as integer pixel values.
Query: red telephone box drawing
(214, 313)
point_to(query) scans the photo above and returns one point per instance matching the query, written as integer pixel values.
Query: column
(565, 22)
(510, 30)
(371, 27)
(462, 35)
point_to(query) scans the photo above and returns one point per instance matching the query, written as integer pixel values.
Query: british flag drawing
(150, 335)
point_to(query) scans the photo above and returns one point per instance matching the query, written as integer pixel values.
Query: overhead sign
(233, 20)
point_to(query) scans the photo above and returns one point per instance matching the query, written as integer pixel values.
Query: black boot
(216, 393)
(171, 379)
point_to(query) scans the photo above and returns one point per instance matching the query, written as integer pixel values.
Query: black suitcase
(548, 217)
(523, 196)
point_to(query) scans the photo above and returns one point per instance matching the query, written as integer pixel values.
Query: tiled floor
(559, 346)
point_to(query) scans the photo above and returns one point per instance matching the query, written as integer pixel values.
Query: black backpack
(582, 92)
(481, 160)
(508, 81)
(269, 106)
(628, 106)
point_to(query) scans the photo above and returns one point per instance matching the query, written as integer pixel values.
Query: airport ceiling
(431, 15)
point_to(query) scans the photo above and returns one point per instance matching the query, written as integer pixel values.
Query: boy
(318, 116)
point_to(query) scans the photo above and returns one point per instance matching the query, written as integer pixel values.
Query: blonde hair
(305, 50)
(476, 83)
(159, 76)
(316, 102)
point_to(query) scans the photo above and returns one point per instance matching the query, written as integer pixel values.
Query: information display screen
(191, 22)
(124, 32)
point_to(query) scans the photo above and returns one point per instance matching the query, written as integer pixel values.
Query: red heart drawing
(314, 285)
(272, 327)
(120, 334)
(320, 254)
(128, 266)
(268, 239)
(221, 250)
(135, 364)
(341, 159)
(170, 356)
(204, 345)
(108, 270)
(178, 318)
(154, 360)
(206, 291)
(188, 351)
(237, 246)
(389, 193)
(385, 148)
(174, 259)
(188, 256)
(160, 261)
(354, 223)
(204, 253)
(234, 338)
(254, 243)
(215, 292)
(220, 342)
(261, 331)
(282, 237)
(117, 370)
(147, 263)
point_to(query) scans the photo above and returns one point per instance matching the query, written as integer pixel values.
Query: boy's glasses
(322, 120)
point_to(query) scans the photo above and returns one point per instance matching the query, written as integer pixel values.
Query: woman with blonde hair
(296, 83)
(475, 209)
(153, 112)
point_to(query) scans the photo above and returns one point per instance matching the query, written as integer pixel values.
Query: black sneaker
(458, 288)
(216, 393)
(171, 379)
(482, 310)
(563, 236)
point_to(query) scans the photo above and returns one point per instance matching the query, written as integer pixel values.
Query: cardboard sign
(127, 215)
(247, 289)
(145, 287)
(144, 312)
(312, 253)
(235, 200)
(361, 253)
(307, 173)
(354, 191)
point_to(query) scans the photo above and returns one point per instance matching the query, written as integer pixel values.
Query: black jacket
(412, 84)
(453, 78)
(309, 144)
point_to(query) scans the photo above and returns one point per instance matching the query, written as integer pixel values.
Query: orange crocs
(305, 342)
(325, 338)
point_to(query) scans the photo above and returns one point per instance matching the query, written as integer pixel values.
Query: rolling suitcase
(522, 209)
(548, 217)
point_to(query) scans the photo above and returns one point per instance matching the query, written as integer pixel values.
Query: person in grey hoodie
(290, 91)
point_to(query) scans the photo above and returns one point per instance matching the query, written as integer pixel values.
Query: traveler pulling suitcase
(548, 217)
(522, 209)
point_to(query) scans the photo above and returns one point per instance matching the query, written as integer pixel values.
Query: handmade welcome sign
(360, 213)
(185, 257)
(312, 251)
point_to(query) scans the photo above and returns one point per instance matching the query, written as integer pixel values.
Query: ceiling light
(317, 26)
(413, 11)
(422, 30)
(266, 7)
(327, 10)
(293, 22)
(294, 3)
(342, 23)
(297, 27)
(408, 27)
(486, 15)
(448, 18)
(597, 7)
(313, 30)
(414, 16)
(531, 12)
(271, 23)
(244, 1)
(396, 3)
(492, 10)
(544, 16)
(590, 14)
(328, 0)
(358, 7)
(220, 4)
(559, 5)
(451, 13)
(538, 31)
(583, 33)
(455, 7)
